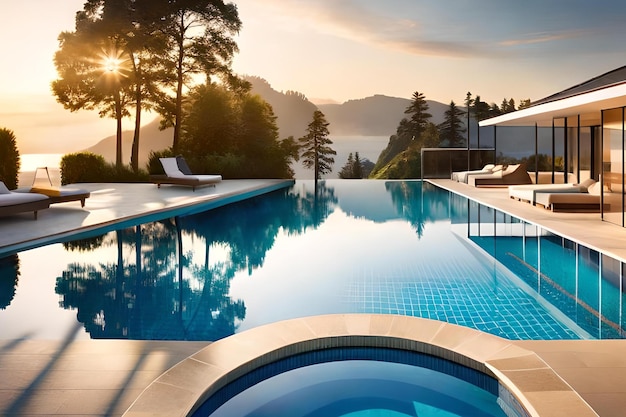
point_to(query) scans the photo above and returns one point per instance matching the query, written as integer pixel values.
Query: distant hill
(292, 109)
(151, 139)
(378, 115)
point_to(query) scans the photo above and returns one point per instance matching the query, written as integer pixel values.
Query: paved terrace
(103, 377)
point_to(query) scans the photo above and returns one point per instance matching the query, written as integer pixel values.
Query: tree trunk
(118, 117)
(134, 156)
(179, 87)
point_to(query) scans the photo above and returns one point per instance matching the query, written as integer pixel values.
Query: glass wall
(559, 130)
(585, 285)
(585, 154)
(613, 166)
(572, 149)
(544, 152)
(515, 144)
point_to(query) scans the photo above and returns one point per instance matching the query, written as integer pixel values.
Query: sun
(111, 64)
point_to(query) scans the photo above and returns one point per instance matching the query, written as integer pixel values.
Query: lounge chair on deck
(583, 200)
(528, 192)
(44, 184)
(13, 202)
(461, 176)
(511, 175)
(178, 173)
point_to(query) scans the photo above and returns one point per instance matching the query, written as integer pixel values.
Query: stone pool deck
(71, 377)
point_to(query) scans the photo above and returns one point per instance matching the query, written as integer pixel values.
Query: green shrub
(82, 167)
(89, 167)
(10, 157)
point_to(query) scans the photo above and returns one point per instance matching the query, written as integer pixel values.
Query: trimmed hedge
(9, 159)
(89, 167)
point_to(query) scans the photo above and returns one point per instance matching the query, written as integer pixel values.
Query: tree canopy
(145, 54)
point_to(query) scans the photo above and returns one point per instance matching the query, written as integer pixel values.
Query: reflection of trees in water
(421, 202)
(159, 289)
(9, 276)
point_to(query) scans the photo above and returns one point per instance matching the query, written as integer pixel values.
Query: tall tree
(419, 116)
(451, 129)
(481, 109)
(524, 103)
(469, 102)
(93, 74)
(199, 41)
(316, 152)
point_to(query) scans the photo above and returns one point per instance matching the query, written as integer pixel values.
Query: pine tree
(357, 167)
(315, 146)
(418, 109)
(469, 101)
(451, 129)
(346, 171)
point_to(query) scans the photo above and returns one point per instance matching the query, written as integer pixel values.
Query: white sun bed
(528, 192)
(461, 176)
(175, 176)
(12, 202)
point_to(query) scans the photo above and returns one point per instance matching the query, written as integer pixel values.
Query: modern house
(576, 133)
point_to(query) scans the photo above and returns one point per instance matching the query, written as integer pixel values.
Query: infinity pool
(394, 247)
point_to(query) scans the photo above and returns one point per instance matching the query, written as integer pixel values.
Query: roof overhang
(588, 105)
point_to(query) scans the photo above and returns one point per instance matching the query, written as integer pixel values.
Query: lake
(368, 147)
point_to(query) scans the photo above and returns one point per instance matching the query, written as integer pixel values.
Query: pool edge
(535, 385)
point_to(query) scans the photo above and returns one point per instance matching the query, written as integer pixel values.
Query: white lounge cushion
(12, 199)
(4, 189)
(170, 166)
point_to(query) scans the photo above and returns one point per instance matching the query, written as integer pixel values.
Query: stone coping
(184, 387)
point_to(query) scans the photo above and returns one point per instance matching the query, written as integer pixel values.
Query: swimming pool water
(361, 382)
(395, 247)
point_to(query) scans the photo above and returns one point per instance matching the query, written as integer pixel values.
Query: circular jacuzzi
(359, 382)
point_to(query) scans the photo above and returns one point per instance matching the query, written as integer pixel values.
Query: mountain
(378, 115)
(151, 139)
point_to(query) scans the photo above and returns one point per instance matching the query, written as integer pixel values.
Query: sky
(338, 50)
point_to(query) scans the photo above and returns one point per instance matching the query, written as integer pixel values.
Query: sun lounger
(511, 175)
(13, 202)
(588, 200)
(528, 192)
(44, 184)
(461, 176)
(177, 173)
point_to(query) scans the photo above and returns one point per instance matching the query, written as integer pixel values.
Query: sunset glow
(332, 50)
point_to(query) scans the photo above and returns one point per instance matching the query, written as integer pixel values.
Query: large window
(613, 165)
(559, 149)
(572, 162)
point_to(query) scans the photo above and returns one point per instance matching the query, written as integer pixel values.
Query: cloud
(381, 25)
(535, 38)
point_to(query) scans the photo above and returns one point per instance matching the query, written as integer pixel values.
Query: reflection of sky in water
(370, 246)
